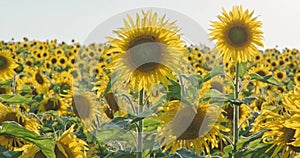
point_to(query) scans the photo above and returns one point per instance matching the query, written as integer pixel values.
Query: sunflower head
(7, 66)
(85, 107)
(10, 114)
(150, 49)
(66, 146)
(237, 34)
(193, 127)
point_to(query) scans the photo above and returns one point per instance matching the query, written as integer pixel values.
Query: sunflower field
(148, 93)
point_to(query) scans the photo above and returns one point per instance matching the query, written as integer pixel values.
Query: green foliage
(4, 153)
(14, 99)
(13, 129)
(266, 79)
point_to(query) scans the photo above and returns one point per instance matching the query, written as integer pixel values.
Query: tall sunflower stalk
(149, 50)
(140, 125)
(237, 34)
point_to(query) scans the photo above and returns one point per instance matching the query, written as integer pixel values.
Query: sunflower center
(238, 36)
(2, 91)
(39, 78)
(3, 62)
(193, 129)
(144, 53)
(298, 78)
(52, 104)
(280, 75)
(12, 117)
(229, 112)
(40, 154)
(59, 154)
(218, 86)
(261, 73)
(289, 137)
(81, 106)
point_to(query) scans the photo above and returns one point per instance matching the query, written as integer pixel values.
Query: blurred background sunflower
(7, 66)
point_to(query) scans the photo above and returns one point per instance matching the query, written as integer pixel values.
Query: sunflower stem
(236, 113)
(140, 126)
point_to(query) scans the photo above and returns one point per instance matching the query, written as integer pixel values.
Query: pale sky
(64, 20)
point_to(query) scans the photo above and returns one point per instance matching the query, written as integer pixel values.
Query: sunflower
(196, 128)
(262, 71)
(53, 102)
(76, 75)
(297, 78)
(237, 35)
(258, 57)
(244, 113)
(7, 66)
(63, 61)
(54, 60)
(101, 83)
(10, 114)
(66, 146)
(85, 106)
(149, 51)
(6, 90)
(280, 75)
(59, 52)
(39, 80)
(279, 134)
(29, 62)
(282, 126)
(218, 83)
(63, 79)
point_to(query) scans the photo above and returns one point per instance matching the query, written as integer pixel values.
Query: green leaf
(266, 79)
(256, 77)
(124, 154)
(216, 97)
(248, 100)
(218, 70)
(113, 79)
(4, 153)
(13, 129)
(273, 81)
(151, 124)
(174, 91)
(228, 151)
(242, 69)
(5, 83)
(14, 99)
(186, 153)
(26, 89)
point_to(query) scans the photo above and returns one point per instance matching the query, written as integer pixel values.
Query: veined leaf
(242, 69)
(13, 129)
(14, 99)
(218, 70)
(266, 79)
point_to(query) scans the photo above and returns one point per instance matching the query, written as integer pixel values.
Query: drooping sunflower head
(150, 50)
(7, 66)
(192, 127)
(237, 34)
